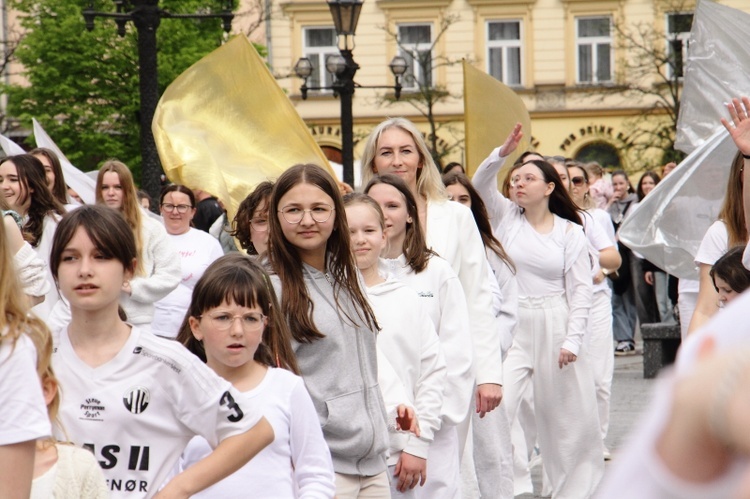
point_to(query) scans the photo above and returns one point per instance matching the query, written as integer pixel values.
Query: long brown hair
(482, 219)
(415, 244)
(732, 211)
(241, 222)
(59, 189)
(285, 261)
(236, 278)
(31, 177)
(560, 202)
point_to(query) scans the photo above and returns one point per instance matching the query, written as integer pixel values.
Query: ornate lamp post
(345, 15)
(146, 16)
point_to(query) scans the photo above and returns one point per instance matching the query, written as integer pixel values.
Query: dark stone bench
(660, 344)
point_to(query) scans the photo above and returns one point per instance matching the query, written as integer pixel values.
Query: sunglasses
(579, 181)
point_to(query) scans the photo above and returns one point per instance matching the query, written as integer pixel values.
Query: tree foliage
(83, 86)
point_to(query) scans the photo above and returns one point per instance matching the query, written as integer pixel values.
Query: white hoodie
(408, 340)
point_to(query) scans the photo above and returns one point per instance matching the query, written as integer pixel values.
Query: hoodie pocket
(348, 429)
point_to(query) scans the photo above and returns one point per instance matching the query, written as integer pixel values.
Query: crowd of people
(424, 337)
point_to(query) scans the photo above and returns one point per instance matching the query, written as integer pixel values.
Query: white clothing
(197, 250)
(32, 271)
(687, 298)
(24, 414)
(49, 226)
(453, 234)
(443, 467)
(408, 340)
(441, 292)
(601, 234)
(297, 464)
(505, 304)
(714, 244)
(601, 355)
(75, 475)
(492, 454)
(138, 411)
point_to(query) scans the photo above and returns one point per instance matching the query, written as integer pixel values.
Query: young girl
(543, 236)
(53, 174)
(332, 324)
(255, 354)
(250, 224)
(62, 471)
(407, 258)
(25, 189)
(133, 399)
(729, 276)
(24, 418)
(407, 339)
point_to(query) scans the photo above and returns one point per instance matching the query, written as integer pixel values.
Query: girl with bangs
(255, 354)
(543, 236)
(25, 189)
(332, 324)
(133, 399)
(407, 258)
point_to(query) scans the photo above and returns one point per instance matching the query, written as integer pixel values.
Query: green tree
(83, 86)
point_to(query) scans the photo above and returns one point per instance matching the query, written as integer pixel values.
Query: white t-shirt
(138, 411)
(43, 310)
(296, 464)
(600, 234)
(714, 244)
(23, 414)
(197, 251)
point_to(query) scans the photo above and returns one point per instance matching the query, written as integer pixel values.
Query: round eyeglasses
(523, 179)
(259, 224)
(251, 322)
(294, 215)
(181, 208)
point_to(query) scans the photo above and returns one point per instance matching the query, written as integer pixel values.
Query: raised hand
(739, 129)
(512, 141)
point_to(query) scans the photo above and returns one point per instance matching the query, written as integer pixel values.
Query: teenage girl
(134, 399)
(53, 174)
(250, 224)
(255, 354)
(493, 453)
(542, 234)
(407, 258)
(407, 339)
(397, 146)
(62, 471)
(24, 418)
(729, 276)
(332, 323)
(25, 189)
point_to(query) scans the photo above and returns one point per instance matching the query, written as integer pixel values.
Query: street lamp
(146, 16)
(345, 15)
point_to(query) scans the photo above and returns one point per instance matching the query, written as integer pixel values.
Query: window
(678, 35)
(602, 152)
(594, 43)
(319, 44)
(415, 44)
(504, 51)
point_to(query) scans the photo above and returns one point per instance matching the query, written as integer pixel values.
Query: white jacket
(408, 340)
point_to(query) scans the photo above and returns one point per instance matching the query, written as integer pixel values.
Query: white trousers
(443, 472)
(600, 353)
(493, 454)
(565, 409)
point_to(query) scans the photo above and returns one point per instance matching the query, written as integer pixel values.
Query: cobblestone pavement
(630, 396)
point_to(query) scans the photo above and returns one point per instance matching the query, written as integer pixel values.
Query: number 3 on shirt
(228, 401)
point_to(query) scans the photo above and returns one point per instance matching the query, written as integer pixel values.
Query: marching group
(426, 337)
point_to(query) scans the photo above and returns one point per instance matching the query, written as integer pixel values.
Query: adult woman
(250, 224)
(542, 234)
(493, 454)
(53, 173)
(624, 312)
(601, 235)
(26, 192)
(725, 233)
(197, 251)
(396, 146)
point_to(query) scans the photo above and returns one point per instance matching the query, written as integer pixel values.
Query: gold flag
(491, 110)
(225, 125)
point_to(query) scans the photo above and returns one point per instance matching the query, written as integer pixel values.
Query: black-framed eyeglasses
(579, 181)
(294, 214)
(181, 208)
(223, 321)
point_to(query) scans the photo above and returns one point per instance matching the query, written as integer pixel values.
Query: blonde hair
(131, 208)
(429, 183)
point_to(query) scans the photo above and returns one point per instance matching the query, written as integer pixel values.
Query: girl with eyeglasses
(250, 224)
(25, 189)
(196, 249)
(235, 325)
(134, 399)
(332, 324)
(543, 236)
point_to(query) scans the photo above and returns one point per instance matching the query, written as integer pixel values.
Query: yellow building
(569, 60)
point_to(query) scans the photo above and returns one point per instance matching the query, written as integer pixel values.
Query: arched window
(602, 152)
